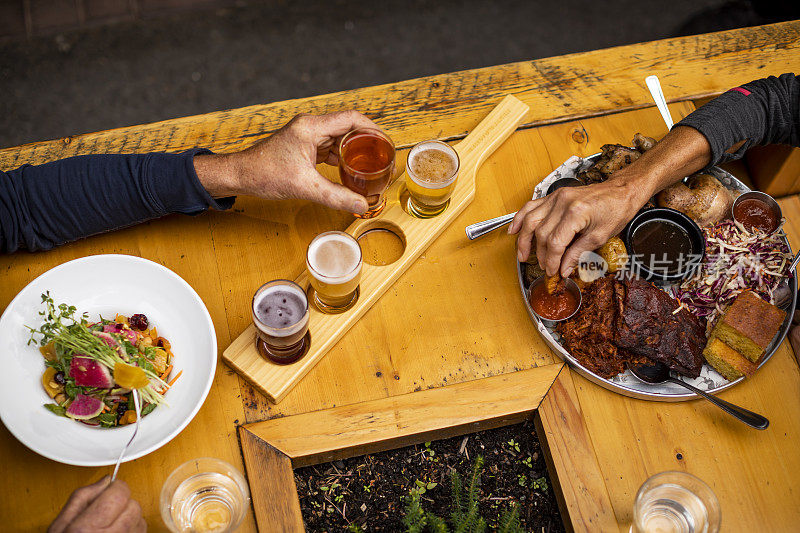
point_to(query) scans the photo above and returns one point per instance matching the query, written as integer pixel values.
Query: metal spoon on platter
(659, 373)
(479, 229)
(138, 408)
(658, 97)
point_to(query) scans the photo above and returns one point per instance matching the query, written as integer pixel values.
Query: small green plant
(421, 487)
(367, 488)
(522, 479)
(528, 461)
(465, 516)
(514, 445)
(540, 484)
(428, 452)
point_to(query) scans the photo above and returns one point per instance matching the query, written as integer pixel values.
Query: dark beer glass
(280, 314)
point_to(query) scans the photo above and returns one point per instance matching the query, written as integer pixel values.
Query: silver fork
(138, 409)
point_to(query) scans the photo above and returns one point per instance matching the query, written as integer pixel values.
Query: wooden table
(601, 446)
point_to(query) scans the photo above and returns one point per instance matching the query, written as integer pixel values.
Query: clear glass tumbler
(675, 502)
(204, 494)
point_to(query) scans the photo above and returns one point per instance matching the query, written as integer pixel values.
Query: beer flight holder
(276, 380)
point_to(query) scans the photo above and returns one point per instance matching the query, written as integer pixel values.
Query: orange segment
(129, 376)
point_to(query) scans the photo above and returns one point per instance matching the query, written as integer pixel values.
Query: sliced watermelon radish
(84, 407)
(128, 334)
(89, 373)
(106, 338)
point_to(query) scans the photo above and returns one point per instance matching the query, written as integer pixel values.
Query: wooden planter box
(273, 448)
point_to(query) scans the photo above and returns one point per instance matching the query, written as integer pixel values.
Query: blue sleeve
(47, 205)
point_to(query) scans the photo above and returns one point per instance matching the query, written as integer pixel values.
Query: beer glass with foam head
(280, 314)
(431, 170)
(366, 165)
(333, 261)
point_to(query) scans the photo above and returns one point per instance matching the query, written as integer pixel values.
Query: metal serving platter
(626, 384)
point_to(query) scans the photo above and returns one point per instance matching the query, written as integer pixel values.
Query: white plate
(105, 285)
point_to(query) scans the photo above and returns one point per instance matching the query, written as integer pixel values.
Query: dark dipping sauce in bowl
(552, 306)
(755, 215)
(661, 245)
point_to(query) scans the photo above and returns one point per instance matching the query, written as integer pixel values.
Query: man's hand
(590, 215)
(283, 166)
(102, 506)
(573, 220)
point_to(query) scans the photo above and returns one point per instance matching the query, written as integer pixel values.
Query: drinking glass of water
(204, 494)
(675, 502)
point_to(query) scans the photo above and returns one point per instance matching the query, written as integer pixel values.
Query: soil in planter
(370, 491)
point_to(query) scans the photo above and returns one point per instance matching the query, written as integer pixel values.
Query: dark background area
(74, 66)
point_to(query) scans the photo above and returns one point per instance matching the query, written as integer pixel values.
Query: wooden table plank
(753, 473)
(449, 105)
(571, 460)
(272, 487)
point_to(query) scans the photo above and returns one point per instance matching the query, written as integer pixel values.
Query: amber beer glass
(280, 314)
(334, 263)
(432, 169)
(366, 165)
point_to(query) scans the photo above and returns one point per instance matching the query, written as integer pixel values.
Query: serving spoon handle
(479, 229)
(750, 418)
(658, 96)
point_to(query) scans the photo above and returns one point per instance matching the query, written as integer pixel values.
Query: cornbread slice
(749, 325)
(726, 360)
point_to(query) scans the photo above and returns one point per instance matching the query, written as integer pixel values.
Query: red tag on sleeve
(741, 90)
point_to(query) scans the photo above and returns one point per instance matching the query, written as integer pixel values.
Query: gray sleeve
(765, 111)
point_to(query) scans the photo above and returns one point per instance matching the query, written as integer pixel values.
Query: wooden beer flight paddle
(275, 381)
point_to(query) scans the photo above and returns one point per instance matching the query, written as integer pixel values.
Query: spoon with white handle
(479, 229)
(658, 97)
(138, 408)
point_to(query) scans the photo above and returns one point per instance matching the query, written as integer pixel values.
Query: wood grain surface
(272, 487)
(455, 315)
(775, 169)
(450, 105)
(275, 381)
(571, 460)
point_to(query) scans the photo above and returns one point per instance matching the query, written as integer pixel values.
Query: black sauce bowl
(696, 239)
(564, 182)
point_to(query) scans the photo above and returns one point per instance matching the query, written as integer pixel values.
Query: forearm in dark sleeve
(765, 111)
(46, 205)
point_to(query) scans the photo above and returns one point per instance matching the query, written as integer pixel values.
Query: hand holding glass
(366, 165)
